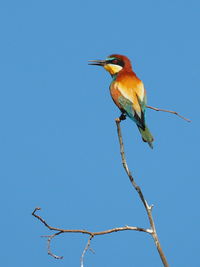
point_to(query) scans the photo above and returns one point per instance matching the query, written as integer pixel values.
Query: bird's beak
(97, 62)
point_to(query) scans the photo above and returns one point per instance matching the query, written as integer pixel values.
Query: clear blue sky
(59, 147)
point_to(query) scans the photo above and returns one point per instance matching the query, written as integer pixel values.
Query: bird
(127, 92)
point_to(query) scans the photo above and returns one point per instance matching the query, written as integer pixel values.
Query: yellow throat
(112, 68)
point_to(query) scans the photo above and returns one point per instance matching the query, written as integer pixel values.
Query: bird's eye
(115, 61)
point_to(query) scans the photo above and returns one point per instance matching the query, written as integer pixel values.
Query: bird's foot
(122, 117)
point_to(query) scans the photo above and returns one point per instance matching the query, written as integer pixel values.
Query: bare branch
(109, 231)
(148, 208)
(49, 246)
(169, 111)
(139, 191)
(85, 249)
(91, 234)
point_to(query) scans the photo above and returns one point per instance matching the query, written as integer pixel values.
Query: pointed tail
(146, 136)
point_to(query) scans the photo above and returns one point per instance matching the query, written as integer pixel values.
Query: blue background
(59, 146)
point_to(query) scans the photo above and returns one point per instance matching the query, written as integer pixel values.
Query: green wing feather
(127, 106)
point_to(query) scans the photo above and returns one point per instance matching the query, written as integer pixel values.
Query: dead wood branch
(148, 208)
(169, 111)
(91, 234)
(139, 191)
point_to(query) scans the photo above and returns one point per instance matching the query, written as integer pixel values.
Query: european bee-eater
(127, 91)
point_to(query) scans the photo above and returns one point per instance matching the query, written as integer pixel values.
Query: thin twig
(49, 246)
(85, 249)
(91, 234)
(139, 191)
(169, 111)
(109, 231)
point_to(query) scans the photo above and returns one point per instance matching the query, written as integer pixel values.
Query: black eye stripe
(116, 61)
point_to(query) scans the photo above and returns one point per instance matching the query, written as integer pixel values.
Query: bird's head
(113, 64)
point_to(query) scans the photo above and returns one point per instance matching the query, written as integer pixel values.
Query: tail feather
(146, 136)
